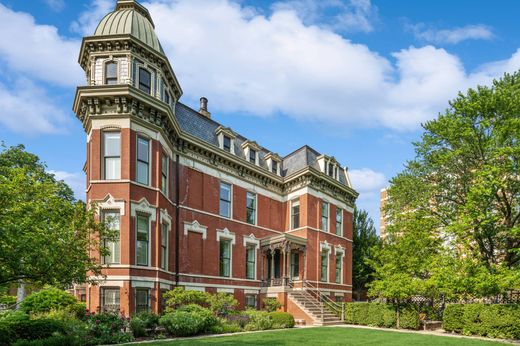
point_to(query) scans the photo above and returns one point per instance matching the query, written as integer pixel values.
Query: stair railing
(337, 308)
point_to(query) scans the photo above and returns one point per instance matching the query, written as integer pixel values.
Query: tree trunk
(20, 294)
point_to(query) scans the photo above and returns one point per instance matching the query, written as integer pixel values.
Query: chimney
(204, 107)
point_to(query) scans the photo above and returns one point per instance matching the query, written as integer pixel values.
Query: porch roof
(280, 238)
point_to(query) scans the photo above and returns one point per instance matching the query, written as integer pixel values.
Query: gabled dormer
(251, 152)
(226, 139)
(274, 163)
(329, 166)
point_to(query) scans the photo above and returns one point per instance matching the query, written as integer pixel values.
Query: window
(251, 208)
(142, 300)
(164, 246)
(252, 156)
(227, 143)
(143, 160)
(225, 199)
(274, 167)
(338, 267)
(251, 300)
(295, 213)
(164, 174)
(166, 95)
(331, 169)
(339, 221)
(111, 155)
(295, 264)
(110, 299)
(111, 73)
(225, 257)
(250, 262)
(142, 240)
(324, 216)
(111, 218)
(145, 79)
(324, 266)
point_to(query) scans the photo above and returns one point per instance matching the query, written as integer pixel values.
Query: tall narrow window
(331, 169)
(338, 267)
(110, 299)
(295, 265)
(226, 143)
(225, 199)
(225, 257)
(166, 94)
(145, 79)
(111, 219)
(295, 213)
(143, 160)
(324, 216)
(142, 300)
(252, 156)
(111, 155)
(250, 262)
(142, 240)
(339, 221)
(164, 246)
(164, 174)
(274, 167)
(111, 73)
(324, 266)
(251, 208)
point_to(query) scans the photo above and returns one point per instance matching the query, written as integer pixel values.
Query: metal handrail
(335, 307)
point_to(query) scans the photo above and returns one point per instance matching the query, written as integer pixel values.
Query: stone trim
(196, 227)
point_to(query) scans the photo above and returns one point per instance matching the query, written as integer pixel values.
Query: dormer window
(273, 162)
(145, 80)
(252, 156)
(329, 166)
(111, 73)
(226, 139)
(227, 143)
(331, 169)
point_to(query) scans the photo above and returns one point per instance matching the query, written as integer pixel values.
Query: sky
(354, 79)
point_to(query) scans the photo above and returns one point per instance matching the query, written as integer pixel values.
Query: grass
(328, 336)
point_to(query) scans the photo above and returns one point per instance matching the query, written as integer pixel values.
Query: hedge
(381, 315)
(491, 320)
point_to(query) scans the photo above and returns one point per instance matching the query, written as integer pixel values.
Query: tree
(46, 236)
(365, 242)
(460, 199)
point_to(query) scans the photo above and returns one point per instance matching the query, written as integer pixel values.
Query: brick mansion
(196, 204)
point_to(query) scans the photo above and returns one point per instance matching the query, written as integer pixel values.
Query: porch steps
(315, 309)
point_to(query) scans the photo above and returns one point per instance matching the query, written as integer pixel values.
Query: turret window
(111, 73)
(227, 143)
(145, 79)
(143, 160)
(111, 155)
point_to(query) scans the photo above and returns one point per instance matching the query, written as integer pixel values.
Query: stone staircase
(317, 310)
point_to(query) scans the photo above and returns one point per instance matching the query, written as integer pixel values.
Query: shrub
(144, 324)
(208, 318)
(179, 296)
(79, 310)
(498, 321)
(107, 328)
(271, 304)
(8, 300)
(182, 323)
(222, 304)
(258, 320)
(224, 326)
(452, 318)
(46, 300)
(409, 318)
(282, 319)
(371, 314)
(55, 340)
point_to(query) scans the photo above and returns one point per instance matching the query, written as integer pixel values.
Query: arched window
(111, 73)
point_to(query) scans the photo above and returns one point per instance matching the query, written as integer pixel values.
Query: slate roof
(204, 128)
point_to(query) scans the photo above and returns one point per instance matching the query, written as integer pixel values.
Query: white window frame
(340, 212)
(341, 253)
(147, 138)
(327, 226)
(294, 200)
(103, 157)
(255, 215)
(165, 189)
(103, 214)
(105, 63)
(138, 77)
(252, 241)
(231, 237)
(325, 247)
(143, 207)
(230, 199)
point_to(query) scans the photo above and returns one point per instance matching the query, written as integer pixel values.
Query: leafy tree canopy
(46, 236)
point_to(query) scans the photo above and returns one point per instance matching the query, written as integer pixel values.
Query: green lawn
(328, 336)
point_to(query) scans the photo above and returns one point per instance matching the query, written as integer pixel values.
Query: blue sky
(353, 78)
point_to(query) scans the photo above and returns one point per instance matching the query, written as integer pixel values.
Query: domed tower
(127, 109)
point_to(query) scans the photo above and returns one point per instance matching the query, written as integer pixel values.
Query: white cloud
(37, 50)
(451, 36)
(89, 20)
(369, 184)
(260, 65)
(26, 109)
(345, 16)
(55, 5)
(76, 182)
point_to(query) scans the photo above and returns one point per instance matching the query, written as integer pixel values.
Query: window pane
(142, 172)
(142, 253)
(112, 142)
(142, 149)
(164, 165)
(252, 156)
(111, 70)
(142, 240)
(112, 221)
(225, 256)
(295, 214)
(275, 167)
(251, 199)
(227, 143)
(112, 168)
(324, 266)
(144, 80)
(225, 192)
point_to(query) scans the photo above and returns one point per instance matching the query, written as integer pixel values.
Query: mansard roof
(205, 129)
